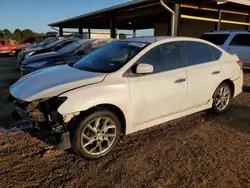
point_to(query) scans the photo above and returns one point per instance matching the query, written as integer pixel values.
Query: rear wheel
(96, 135)
(222, 98)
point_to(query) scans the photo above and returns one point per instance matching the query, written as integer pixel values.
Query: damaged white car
(127, 86)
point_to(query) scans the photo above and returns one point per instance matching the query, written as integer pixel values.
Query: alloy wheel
(99, 135)
(222, 98)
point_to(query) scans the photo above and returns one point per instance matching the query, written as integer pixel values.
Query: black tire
(215, 108)
(78, 130)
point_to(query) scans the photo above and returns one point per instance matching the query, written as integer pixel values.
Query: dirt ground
(201, 150)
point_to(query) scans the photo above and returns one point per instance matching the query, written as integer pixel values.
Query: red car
(7, 48)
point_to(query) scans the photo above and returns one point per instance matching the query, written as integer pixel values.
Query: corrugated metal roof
(131, 3)
(134, 2)
(242, 2)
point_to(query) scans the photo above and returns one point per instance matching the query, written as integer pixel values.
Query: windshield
(70, 48)
(45, 41)
(52, 44)
(218, 39)
(111, 57)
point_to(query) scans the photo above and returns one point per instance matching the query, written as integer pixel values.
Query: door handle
(215, 72)
(180, 80)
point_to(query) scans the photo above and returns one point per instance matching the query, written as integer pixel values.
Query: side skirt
(132, 129)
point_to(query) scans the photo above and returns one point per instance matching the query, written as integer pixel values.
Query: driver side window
(164, 57)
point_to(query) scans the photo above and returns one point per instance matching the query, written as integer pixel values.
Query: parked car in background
(21, 49)
(75, 35)
(21, 55)
(234, 42)
(67, 55)
(127, 86)
(32, 42)
(53, 46)
(7, 48)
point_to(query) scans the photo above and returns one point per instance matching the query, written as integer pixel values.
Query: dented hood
(52, 81)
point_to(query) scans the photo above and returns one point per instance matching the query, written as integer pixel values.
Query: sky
(37, 14)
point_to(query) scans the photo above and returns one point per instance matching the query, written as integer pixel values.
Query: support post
(112, 27)
(134, 32)
(172, 21)
(80, 30)
(218, 25)
(89, 33)
(177, 10)
(60, 31)
(248, 21)
(219, 22)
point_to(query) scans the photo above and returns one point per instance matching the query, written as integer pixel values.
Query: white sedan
(127, 86)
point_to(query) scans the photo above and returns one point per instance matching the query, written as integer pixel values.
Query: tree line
(21, 35)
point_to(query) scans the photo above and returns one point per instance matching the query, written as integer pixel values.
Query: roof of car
(159, 38)
(146, 39)
(228, 32)
(84, 41)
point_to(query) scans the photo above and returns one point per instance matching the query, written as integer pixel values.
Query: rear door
(204, 72)
(240, 45)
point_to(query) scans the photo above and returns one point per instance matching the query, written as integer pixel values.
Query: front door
(163, 92)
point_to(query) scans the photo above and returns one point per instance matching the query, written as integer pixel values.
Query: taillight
(240, 63)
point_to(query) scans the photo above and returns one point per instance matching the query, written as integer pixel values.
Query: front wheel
(96, 135)
(222, 98)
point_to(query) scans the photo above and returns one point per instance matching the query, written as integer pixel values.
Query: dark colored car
(53, 46)
(21, 55)
(67, 55)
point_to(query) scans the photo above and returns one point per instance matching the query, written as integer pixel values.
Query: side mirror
(144, 69)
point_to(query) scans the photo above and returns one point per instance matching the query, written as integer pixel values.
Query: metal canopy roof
(137, 14)
(102, 11)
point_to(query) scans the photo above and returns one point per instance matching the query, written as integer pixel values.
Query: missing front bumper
(64, 142)
(44, 116)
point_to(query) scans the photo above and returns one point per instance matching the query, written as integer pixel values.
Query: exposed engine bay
(44, 115)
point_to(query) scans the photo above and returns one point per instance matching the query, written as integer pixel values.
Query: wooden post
(60, 31)
(134, 32)
(218, 25)
(89, 33)
(112, 27)
(177, 10)
(80, 30)
(248, 20)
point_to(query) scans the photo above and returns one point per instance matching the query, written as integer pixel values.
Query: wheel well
(116, 110)
(231, 84)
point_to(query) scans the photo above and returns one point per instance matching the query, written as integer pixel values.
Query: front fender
(84, 98)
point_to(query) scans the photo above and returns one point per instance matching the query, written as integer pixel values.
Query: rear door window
(197, 53)
(241, 40)
(216, 53)
(218, 39)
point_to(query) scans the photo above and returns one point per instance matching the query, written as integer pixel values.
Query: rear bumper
(238, 84)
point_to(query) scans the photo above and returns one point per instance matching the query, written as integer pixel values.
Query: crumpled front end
(44, 115)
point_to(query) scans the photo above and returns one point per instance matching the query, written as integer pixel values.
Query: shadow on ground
(237, 117)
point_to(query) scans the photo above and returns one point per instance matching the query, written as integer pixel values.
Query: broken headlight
(46, 109)
(54, 103)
